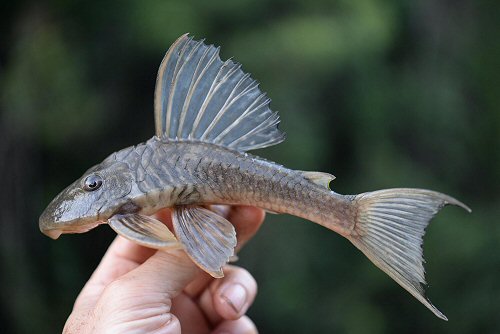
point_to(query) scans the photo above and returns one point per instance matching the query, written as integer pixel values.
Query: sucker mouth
(56, 232)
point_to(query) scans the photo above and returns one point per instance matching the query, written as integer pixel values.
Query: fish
(208, 114)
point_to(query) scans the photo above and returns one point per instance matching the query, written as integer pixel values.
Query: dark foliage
(379, 93)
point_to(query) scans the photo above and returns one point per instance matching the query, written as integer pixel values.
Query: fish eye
(92, 182)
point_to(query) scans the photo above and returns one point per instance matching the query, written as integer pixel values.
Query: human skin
(136, 289)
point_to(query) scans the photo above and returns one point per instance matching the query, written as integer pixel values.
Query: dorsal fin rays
(230, 100)
(175, 122)
(247, 140)
(169, 117)
(216, 86)
(247, 112)
(187, 109)
(200, 97)
(164, 81)
(182, 75)
(206, 100)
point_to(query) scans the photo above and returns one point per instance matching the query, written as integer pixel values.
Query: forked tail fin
(389, 229)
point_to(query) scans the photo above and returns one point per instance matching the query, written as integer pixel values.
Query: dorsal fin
(200, 97)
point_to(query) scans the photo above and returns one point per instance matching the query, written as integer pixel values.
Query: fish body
(208, 113)
(161, 174)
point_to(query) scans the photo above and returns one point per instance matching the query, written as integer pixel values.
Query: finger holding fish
(130, 273)
(228, 298)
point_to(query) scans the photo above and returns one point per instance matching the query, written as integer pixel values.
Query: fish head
(89, 201)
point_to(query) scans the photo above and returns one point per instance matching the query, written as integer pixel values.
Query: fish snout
(47, 223)
(68, 214)
(62, 213)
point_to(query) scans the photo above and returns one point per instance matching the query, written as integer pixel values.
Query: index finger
(247, 221)
(124, 255)
(121, 257)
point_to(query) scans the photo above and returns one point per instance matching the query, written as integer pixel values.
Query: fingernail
(235, 295)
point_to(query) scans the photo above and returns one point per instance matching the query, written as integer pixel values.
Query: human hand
(140, 290)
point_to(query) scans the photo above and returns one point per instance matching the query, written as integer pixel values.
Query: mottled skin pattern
(182, 173)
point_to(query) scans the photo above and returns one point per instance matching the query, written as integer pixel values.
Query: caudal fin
(389, 229)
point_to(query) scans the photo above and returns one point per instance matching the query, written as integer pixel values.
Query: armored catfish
(208, 114)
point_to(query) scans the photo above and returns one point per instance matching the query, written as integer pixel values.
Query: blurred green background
(379, 93)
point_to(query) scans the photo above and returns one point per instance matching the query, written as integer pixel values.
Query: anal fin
(208, 239)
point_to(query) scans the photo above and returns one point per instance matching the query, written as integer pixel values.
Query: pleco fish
(208, 113)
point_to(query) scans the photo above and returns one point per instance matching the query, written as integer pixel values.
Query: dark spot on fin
(144, 230)
(208, 239)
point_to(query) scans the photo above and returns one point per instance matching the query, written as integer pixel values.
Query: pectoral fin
(208, 239)
(144, 230)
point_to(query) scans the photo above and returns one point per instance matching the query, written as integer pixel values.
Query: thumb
(164, 272)
(141, 300)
